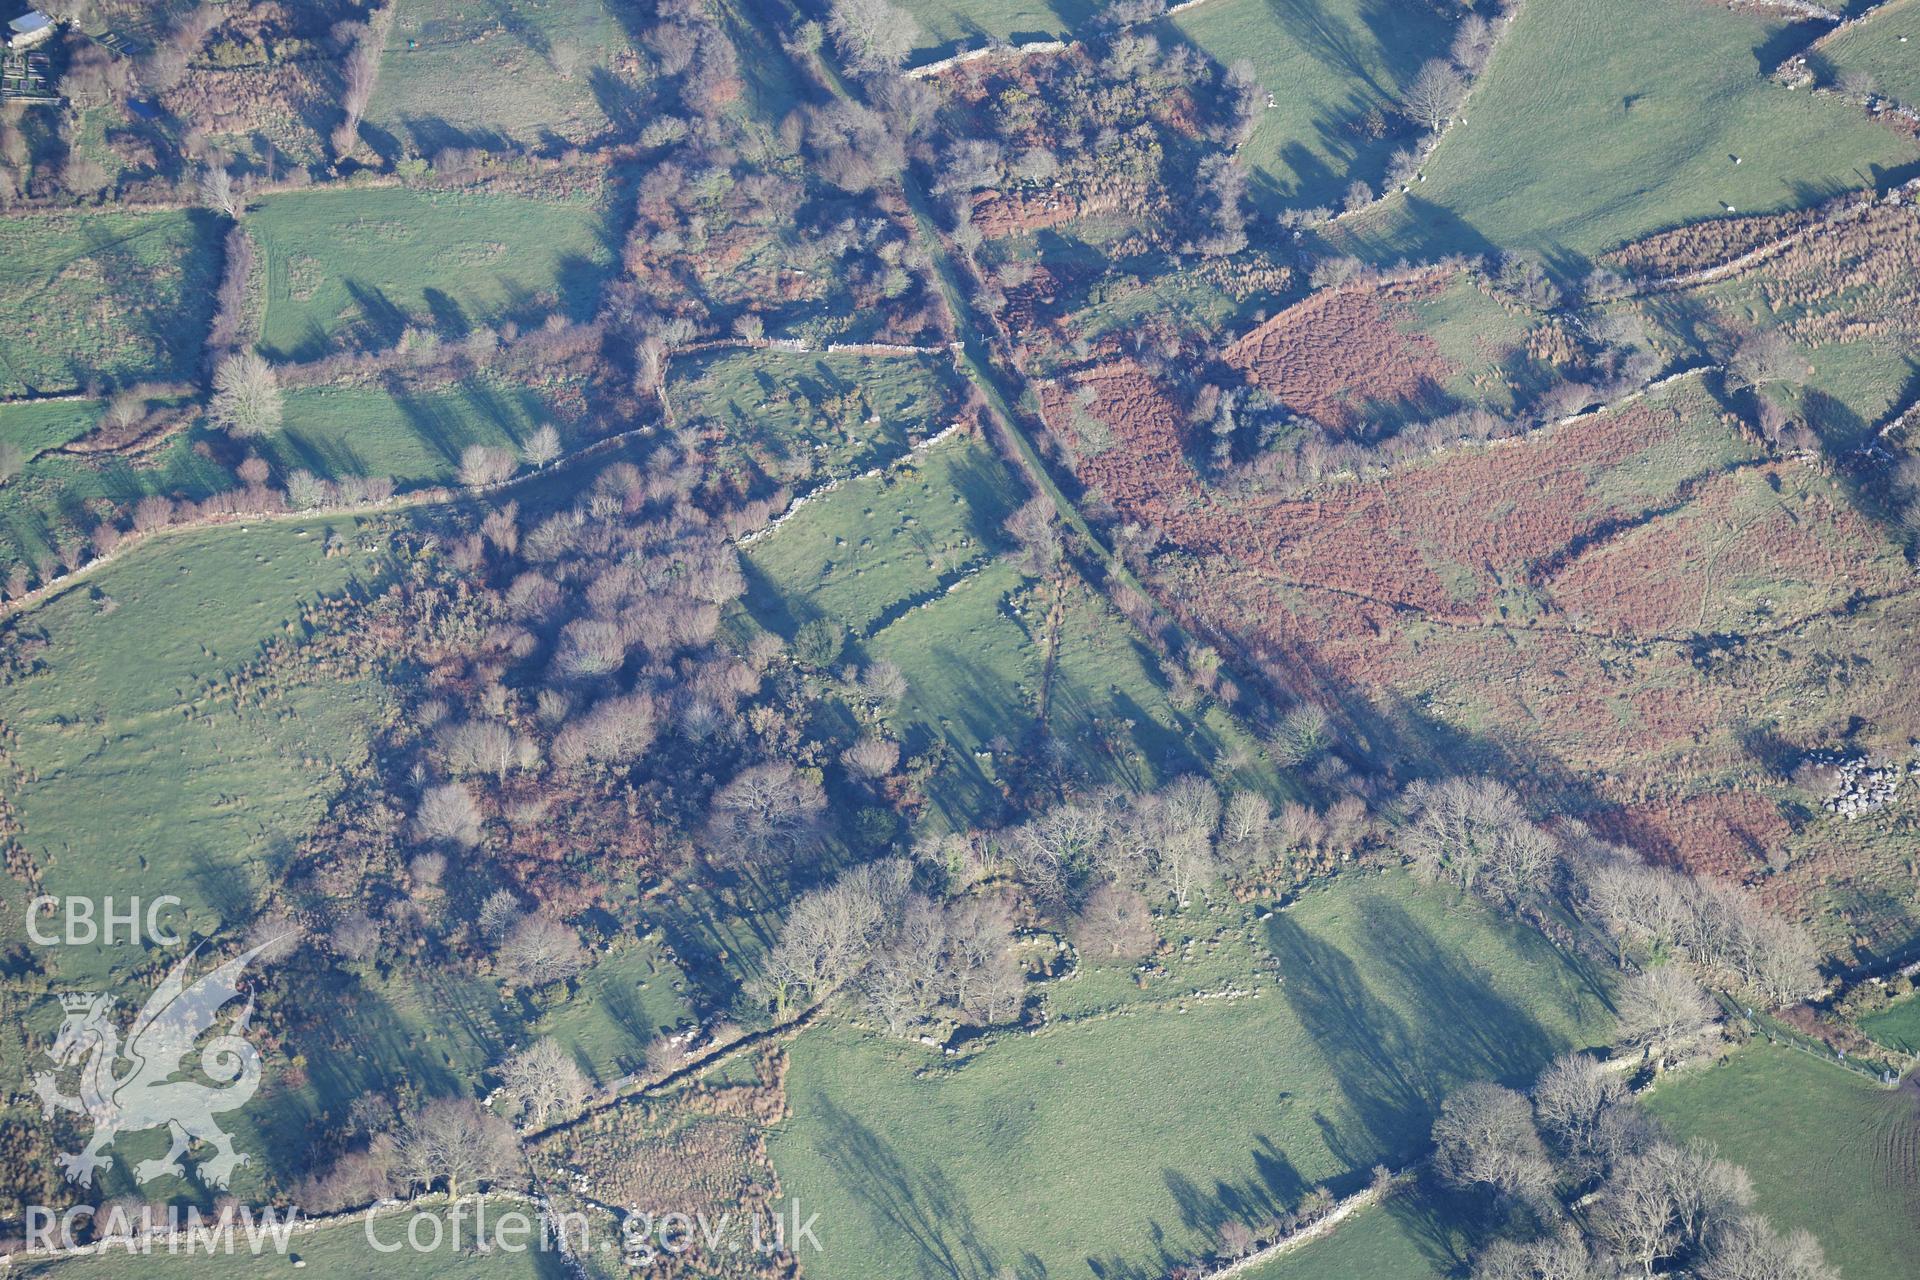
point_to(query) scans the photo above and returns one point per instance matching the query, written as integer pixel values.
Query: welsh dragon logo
(145, 1095)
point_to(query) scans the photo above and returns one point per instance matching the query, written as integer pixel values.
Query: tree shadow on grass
(920, 1211)
(1369, 1049)
(1473, 1031)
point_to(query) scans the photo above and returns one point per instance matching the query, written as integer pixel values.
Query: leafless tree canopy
(1433, 96)
(541, 949)
(768, 809)
(1485, 1136)
(872, 34)
(544, 1081)
(452, 1141)
(246, 396)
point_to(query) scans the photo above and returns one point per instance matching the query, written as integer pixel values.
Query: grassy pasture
(1118, 1145)
(341, 1251)
(1897, 1026)
(948, 26)
(629, 996)
(416, 438)
(975, 663)
(1828, 1150)
(140, 774)
(364, 264)
(1855, 383)
(37, 426)
(877, 543)
(1381, 1242)
(1600, 121)
(818, 415)
(1327, 66)
(522, 71)
(58, 498)
(1874, 49)
(104, 296)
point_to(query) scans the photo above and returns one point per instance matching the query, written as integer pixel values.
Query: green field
(1874, 49)
(341, 1251)
(948, 26)
(140, 776)
(1897, 1026)
(1327, 63)
(1600, 121)
(1828, 1150)
(876, 544)
(1852, 385)
(521, 71)
(365, 264)
(412, 437)
(817, 415)
(104, 297)
(59, 498)
(974, 660)
(1382, 1242)
(1141, 1133)
(34, 427)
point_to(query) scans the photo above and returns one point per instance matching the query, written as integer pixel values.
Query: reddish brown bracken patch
(1343, 349)
(1730, 834)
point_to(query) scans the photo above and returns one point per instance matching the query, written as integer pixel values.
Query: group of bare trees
(362, 45)
(450, 1143)
(913, 958)
(1589, 1188)
(1475, 833)
(1716, 929)
(1171, 843)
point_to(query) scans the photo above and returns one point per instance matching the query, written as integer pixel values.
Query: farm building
(29, 29)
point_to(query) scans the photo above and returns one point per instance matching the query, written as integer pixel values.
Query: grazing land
(362, 266)
(525, 71)
(1375, 1005)
(114, 298)
(1828, 1150)
(1873, 55)
(951, 26)
(1600, 122)
(1336, 74)
(417, 437)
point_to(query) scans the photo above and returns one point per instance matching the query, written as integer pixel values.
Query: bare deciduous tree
(1114, 924)
(1485, 1136)
(542, 447)
(216, 189)
(767, 809)
(541, 949)
(1750, 1249)
(543, 1079)
(872, 34)
(1459, 826)
(246, 396)
(872, 757)
(1663, 1007)
(482, 464)
(1434, 94)
(448, 812)
(1571, 1099)
(452, 1140)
